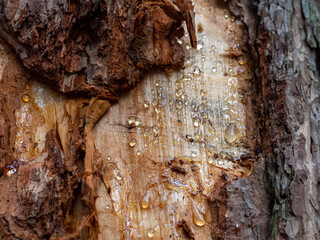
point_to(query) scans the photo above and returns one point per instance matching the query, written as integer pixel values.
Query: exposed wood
(175, 140)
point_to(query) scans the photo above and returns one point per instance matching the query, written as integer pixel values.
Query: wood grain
(188, 115)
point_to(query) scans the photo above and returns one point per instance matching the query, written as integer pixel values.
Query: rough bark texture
(95, 47)
(105, 46)
(76, 45)
(284, 41)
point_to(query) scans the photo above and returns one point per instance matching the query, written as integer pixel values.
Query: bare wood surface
(195, 120)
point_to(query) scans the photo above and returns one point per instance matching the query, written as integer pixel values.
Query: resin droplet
(184, 97)
(134, 121)
(236, 47)
(186, 79)
(198, 218)
(179, 92)
(198, 135)
(188, 63)
(196, 121)
(131, 120)
(200, 45)
(109, 158)
(132, 142)
(211, 129)
(157, 109)
(9, 170)
(25, 98)
(150, 233)
(145, 200)
(241, 61)
(138, 122)
(156, 130)
(154, 103)
(196, 71)
(231, 133)
(211, 151)
(157, 228)
(139, 153)
(179, 104)
(119, 176)
(214, 70)
(163, 199)
(27, 87)
(146, 104)
(210, 160)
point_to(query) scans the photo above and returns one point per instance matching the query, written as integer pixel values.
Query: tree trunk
(284, 40)
(212, 132)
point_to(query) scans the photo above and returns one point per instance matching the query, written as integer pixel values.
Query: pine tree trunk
(159, 120)
(284, 41)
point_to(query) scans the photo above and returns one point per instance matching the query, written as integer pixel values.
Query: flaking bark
(280, 200)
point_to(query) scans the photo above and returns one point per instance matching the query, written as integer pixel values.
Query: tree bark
(284, 40)
(225, 146)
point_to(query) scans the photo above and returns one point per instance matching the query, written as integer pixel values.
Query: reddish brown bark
(86, 45)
